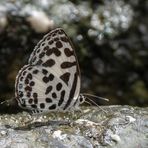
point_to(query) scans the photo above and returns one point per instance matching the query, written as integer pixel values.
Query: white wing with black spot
(51, 80)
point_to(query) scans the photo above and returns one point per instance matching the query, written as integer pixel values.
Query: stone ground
(108, 126)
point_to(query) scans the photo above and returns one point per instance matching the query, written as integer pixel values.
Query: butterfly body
(51, 79)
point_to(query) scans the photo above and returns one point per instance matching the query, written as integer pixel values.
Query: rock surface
(108, 126)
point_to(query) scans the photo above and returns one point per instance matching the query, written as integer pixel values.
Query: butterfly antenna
(4, 102)
(94, 96)
(88, 102)
(9, 102)
(94, 104)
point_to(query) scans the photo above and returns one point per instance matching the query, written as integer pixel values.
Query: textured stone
(113, 126)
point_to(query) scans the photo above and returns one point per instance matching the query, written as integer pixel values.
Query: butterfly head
(81, 99)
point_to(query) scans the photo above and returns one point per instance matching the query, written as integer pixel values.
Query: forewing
(55, 53)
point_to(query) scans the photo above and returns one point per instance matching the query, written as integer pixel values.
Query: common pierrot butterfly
(51, 80)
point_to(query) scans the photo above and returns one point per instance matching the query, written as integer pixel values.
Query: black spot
(49, 52)
(62, 97)
(39, 62)
(64, 39)
(48, 100)
(35, 95)
(41, 55)
(35, 71)
(21, 78)
(24, 73)
(34, 59)
(61, 32)
(50, 42)
(37, 111)
(45, 79)
(35, 100)
(38, 50)
(68, 64)
(59, 44)
(53, 34)
(23, 105)
(52, 107)
(56, 39)
(26, 81)
(30, 101)
(65, 77)
(46, 48)
(34, 106)
(56, 51)
(28, 88)
(57, 30)
(32, 83)
(48, 90)
(28, 94)
(54, 95)
(42, 105)
(29, 76)
(58, 86)
(49, 63)
(51, 77)
(29, 68)
(43, 44)
(44, 71)
(68, 52)
(48, 37)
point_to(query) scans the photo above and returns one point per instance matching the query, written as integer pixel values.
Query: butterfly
(51, 80)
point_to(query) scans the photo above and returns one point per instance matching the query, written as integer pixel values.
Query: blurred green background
(110, 38)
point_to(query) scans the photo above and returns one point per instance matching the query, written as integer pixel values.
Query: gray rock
(112, 126)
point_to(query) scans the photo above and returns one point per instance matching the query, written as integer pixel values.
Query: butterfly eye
(43, 44)
(82, 99)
